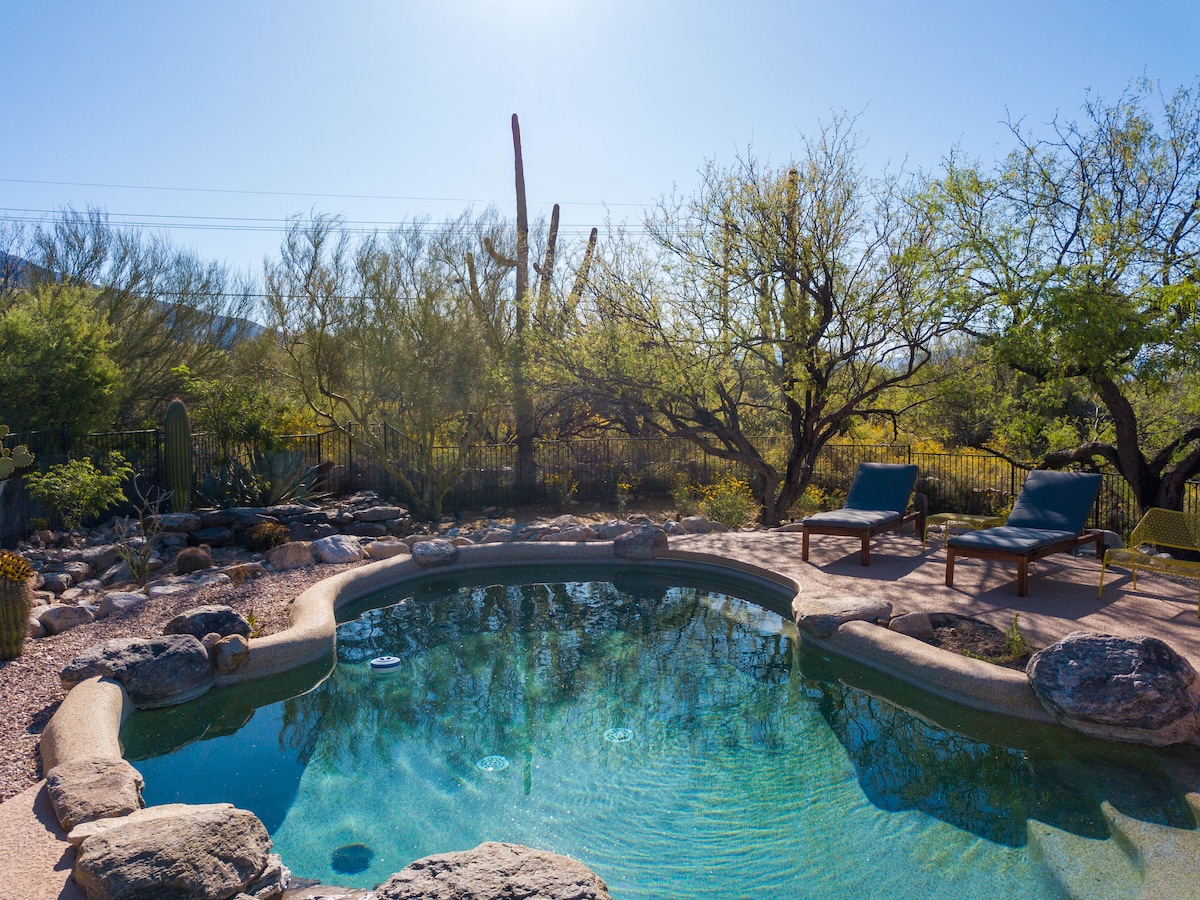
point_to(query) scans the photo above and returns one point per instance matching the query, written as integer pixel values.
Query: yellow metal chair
(1160, 528)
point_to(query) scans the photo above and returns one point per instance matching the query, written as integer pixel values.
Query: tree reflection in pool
(750, 766)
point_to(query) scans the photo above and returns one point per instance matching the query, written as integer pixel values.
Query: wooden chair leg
(949, 567)
(804, 546)
(865, 556)
(1022, 576)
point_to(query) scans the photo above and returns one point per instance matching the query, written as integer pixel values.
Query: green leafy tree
(163, 307)
(54, 360)
(1079, 259)
(780, 307)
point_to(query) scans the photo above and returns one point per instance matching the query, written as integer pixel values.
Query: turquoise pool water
(670, 734)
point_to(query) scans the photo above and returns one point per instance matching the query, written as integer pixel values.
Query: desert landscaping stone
(386, 549)
(640, 542)
(82, 790)
(495, 870)
(118, 573)
(1133, 689)
(154, 671)
(118, 601)
(696, 524)
(100, 557)
(431, 554)
(609, 530)
(378, 514)
(209, 851)
(36, 628)
(338, 548)
(823, 617)
(674, 528)
(291, 555)
(56, 582)
(78, 570)
(914, 624)
(62, 617)
(179, 522)
(229, 653)
(202, 620)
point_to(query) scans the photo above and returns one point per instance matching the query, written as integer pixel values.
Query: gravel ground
(30, 690)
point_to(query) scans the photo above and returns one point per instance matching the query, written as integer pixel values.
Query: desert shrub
(686, 494)
(79, 490)
(265, 535)
(729, 500)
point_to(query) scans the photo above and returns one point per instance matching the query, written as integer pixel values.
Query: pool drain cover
(385, 662)
(618, 735)
(351, 859)
(493, 763)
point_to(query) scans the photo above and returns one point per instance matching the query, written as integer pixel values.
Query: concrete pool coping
(88, 722)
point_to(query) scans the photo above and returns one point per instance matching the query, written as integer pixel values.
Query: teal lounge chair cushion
(853, 518)
(1009, 539)
(881, 486)
(1055, 501)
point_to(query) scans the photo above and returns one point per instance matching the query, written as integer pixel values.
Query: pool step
(1142, 861)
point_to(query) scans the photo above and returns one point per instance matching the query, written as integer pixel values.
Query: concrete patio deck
(1062, 599)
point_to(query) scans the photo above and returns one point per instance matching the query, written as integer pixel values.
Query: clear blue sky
(619, 100)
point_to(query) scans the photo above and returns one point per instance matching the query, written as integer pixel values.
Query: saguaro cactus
(177, 455)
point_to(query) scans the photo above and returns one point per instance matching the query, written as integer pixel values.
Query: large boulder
(434, 553)
(640, 542)
(338, 548)
(1133, 689)
(154, 671)
(291, 555)
(203, 620)
(85, 789)
(494, 870)
(822, 617)
(176, 851)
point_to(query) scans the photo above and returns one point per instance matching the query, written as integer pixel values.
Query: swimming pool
(657, 725)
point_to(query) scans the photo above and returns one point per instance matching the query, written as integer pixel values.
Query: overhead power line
(199, 190)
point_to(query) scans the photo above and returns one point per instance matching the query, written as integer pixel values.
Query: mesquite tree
(773, 302)
(1080, 258)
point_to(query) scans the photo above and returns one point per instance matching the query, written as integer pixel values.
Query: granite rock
(84, 789)
(154, 671)
(495, 870)
(1134, 689)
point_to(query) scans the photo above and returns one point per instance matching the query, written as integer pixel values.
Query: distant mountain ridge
(17, 273)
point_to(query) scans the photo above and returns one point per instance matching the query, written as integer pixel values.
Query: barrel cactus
(177, 455)
(16, 595)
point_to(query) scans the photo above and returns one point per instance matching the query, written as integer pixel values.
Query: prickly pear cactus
(16, 594)
(11, 460)
(177, 455)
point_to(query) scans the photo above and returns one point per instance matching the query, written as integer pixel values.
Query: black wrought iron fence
(486, 475)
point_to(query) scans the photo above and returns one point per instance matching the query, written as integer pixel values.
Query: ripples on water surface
(673, 737)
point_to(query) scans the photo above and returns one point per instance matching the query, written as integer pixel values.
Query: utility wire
(197, 190)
